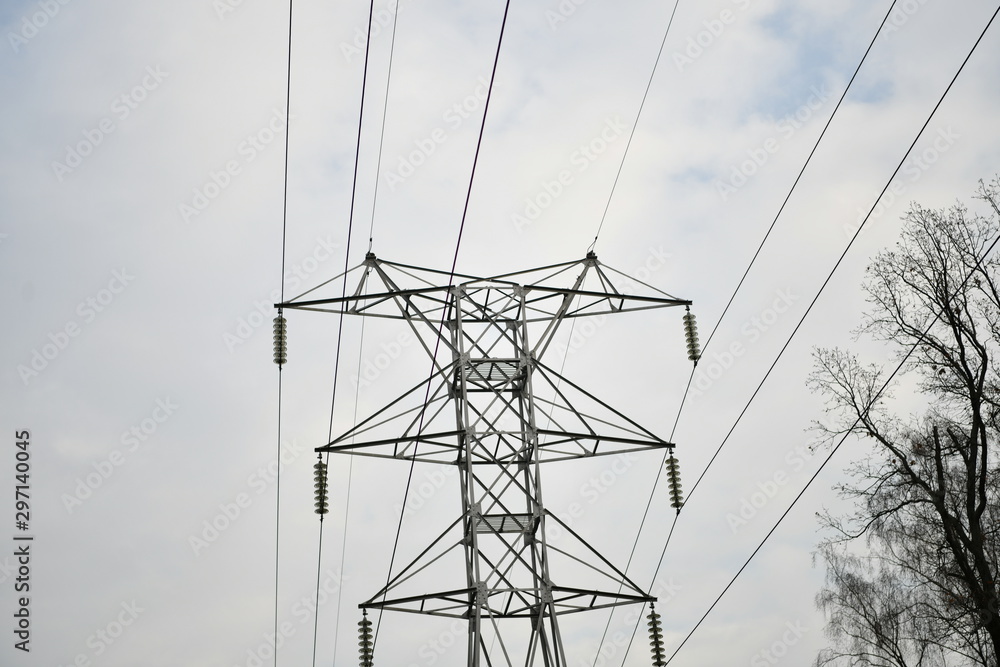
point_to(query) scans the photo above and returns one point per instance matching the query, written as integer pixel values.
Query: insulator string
(691, 336)
(366, 647)
(280, 339)
(322, 499)
(656, 637)
(674, 481)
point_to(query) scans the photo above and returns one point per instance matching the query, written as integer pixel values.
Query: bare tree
(925, 592)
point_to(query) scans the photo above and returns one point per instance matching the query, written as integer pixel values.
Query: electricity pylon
(492, 408)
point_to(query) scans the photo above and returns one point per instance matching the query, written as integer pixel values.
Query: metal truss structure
(492, 408)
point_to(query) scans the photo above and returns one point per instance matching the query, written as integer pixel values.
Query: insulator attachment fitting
(280, 340)
(691, 336)
(365, 646)
(656, 638)
(321, 488)
(674, 480)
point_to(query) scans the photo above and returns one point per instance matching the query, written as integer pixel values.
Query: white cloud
(555, 92)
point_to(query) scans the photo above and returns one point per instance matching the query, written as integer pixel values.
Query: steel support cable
(645, 94)
(781, 209)
(350, 219)
(593, 245)
(856, 234)
(381, 136)
(347, 510)
(350, 465)
(645, 514)
(319, 569)
(340, 322)
(284, 236)
(444, 311)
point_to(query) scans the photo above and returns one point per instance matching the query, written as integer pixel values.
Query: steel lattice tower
(493, 408)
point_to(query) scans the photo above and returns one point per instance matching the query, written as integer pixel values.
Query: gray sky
(140, 248)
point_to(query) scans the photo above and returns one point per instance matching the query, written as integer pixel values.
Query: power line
(340, 321)
(347, 503)
(833, 451)
(768, 233)
(371, 235)
(284, 236)
(645, 94)
(837, 264)
(444, 313)
(350, 219)
(687, 388)
(798, 177)
(381, 136)
(882, 389)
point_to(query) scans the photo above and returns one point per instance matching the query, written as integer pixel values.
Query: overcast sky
(141, 245)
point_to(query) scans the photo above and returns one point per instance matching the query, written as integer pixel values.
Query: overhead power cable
(284, 236)
(350, 219)
(340, 320)
(631, 134)
(350, 466)
(444, 313)
(825, 283)
(381, 136)
(833, 451)
(837, 264)
(347, 502)
(687, 387)
(600, 226)
(781, 209)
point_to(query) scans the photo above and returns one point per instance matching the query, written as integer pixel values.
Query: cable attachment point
(674, 480)
(365, 640)
(691, 335)
(321, 488)
(280, 340)
(656, 637)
